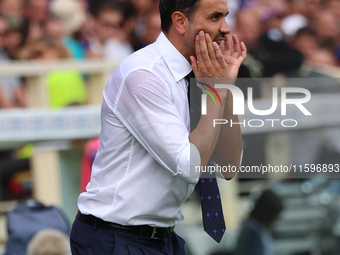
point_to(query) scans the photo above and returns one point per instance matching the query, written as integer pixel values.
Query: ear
(180, 22)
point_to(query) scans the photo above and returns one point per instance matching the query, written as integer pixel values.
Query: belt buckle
(154, 231)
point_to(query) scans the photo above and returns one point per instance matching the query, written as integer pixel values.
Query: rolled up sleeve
(145, 106)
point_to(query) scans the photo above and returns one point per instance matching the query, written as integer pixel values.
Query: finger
(198, 50)
(227, 45)
(222, 47)
(243, 55)
(219, 56)
(194, 65)
(204, 48)
(237, 49)
(211, 49)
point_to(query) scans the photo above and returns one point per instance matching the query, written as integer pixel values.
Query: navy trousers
(92, 240)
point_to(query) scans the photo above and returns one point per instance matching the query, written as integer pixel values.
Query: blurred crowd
(280, 35)
(71, 29)
(79, 29)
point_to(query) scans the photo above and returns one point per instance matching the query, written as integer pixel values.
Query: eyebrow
(220, 14)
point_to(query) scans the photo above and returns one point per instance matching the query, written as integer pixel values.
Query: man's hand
(210, 62)
(234, 55)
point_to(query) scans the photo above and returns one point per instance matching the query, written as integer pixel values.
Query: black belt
(145, 230)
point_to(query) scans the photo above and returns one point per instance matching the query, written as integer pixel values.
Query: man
(71, 17)
(141, 174)
(149, 30)
(49, 242)
(113, 26)
(12, 93)
(255, 237)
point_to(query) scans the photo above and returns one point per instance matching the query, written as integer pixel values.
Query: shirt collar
(176, 62)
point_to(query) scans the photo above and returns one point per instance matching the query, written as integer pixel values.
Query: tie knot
(189, 76)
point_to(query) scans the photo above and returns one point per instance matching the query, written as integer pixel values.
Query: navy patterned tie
(212, 213)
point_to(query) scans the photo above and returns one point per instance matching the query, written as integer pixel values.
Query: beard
(190, 39)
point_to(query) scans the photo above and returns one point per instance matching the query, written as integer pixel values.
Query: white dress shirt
(141, 174)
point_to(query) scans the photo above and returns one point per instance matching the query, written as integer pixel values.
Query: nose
(224, 27)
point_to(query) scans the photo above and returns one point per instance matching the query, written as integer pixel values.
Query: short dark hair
(129, 10)
(306, 31)
(168, 7)
(267, 207)
(107, 5)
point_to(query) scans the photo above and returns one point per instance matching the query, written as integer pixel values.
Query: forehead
(207, 7)
(110, 13)
(11, 2)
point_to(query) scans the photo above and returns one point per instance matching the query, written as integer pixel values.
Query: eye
(215, 17)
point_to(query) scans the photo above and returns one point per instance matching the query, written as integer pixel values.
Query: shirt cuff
(220, 175)
(189, 164)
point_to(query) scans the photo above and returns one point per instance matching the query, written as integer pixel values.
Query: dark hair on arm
(168, 7)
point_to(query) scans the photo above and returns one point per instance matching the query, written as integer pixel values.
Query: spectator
(255, 237)
(305, 41)
(49, 242)
(12, 10)
(46, 49)
(249, 28)
(84, 5)
(109, 22)
(34, 32)
(13, 41)
(151, 30)
(313, 8)
(117, 25)
(126, 33)
(36, 10)
(293, 23)
(87, 34)
(333, 6)
(72, 17)
(322, 57)
(35, 14)
(143, 6)
(273, 18)
(297, 7)
(275, 54)
(54, 30)
(11, 90)
(28, 218)
(65, 87)
(326, 29)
